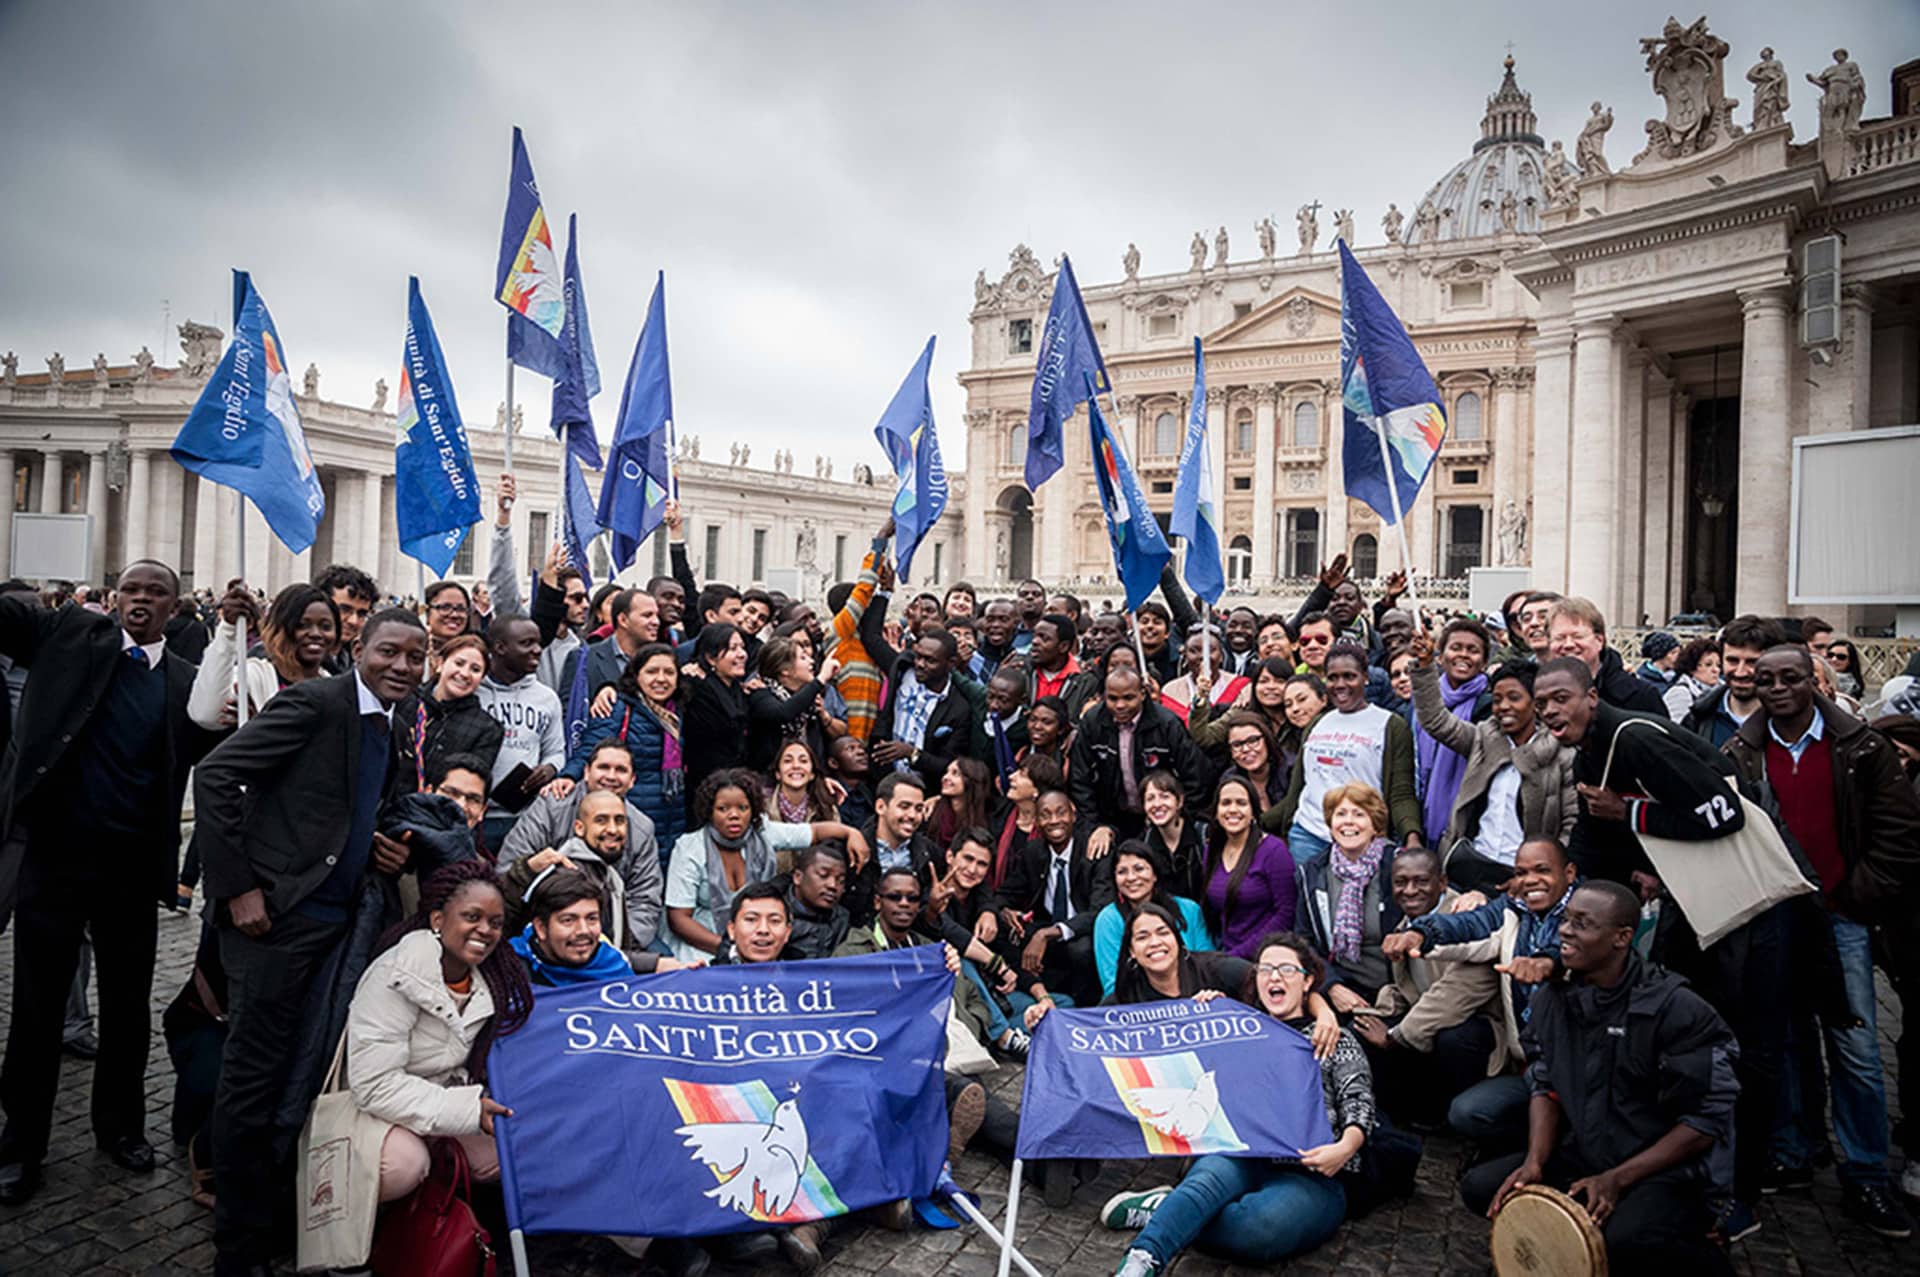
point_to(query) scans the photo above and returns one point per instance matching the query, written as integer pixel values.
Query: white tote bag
(339, 1179)
(1722, 883)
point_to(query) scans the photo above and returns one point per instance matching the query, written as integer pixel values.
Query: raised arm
(502, 579)
(1441, 723)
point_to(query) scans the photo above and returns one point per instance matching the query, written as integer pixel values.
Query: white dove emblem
(753, 1160)
(1175, 1111)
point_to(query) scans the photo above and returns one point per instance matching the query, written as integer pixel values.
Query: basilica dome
(1471, 200)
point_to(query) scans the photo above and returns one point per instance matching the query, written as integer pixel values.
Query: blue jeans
(1305, 845)
(1857, 1081)
(1247, 1209)
(1493, 1114)
(1021, 1000)
(997, 1023)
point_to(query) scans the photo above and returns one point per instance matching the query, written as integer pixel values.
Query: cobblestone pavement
(92, 1218)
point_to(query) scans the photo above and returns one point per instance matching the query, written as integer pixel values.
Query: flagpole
(506, 432)
(1399, 518)
(240, 655)
(1013, 1210)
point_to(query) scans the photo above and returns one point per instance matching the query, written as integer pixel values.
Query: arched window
(1243, 431)
(1166, 435)
(1466, 417)
(1017, 444)
(1366, 557)
(1306, 424)
(1240, 561)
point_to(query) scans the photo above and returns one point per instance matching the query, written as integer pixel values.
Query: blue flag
(726, 1099)
(1170, 1079)
(579, 521)
(639, 477)
(1069, 360)
(1140, 550)
(244, 431)
(1196, 502)
(913, 447)
(579, 379)
(1387, 394)
(436, 497)
(527, 281)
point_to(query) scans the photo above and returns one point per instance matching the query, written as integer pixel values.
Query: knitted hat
(1658, 644)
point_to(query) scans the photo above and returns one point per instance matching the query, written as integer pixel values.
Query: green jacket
(967, 1002)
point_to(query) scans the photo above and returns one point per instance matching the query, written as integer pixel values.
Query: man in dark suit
(286, 809)
(1118, 745)
(925, 721)
(1053, 892)
(94, 774)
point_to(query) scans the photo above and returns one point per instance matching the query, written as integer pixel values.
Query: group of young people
(1417, 845)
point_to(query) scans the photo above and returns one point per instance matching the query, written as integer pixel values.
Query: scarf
(1354, 875)
(1440, 767)
(760, 867)
(606, 963)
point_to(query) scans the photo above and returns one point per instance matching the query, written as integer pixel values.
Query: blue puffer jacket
(658, 790)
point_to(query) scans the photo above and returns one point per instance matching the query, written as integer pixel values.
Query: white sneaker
(1910, 1178)
(1137, 1263)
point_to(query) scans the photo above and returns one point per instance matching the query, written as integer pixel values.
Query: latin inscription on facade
(1707, 253)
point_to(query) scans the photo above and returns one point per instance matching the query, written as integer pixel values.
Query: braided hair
(505, 974)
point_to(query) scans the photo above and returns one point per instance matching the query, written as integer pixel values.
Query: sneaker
(1873, 1207)
(1910, 1178)
(1781, 1178)
(964, 1115)
(1137, 1263)
(1015, 1045)
(1733, 1221)
(1133, 1210)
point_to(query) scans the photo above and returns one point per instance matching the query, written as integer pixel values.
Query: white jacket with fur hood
(408, 1040)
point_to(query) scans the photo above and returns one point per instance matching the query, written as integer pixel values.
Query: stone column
(1631, 536)
(1552, 427)
(1333, 428)
(366, 542)
(6, 513)
(1504, 437)
(1839, 394)
(1766, 433)
(1593, 463)
(206, 522)
(1266, 566)
(1659, 534)
(981, 492)
(97, 513)
(136, 540)
(51, 465)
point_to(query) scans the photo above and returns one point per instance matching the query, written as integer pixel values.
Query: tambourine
(1542, 1231)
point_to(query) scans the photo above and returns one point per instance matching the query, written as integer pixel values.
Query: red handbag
(434, 1233)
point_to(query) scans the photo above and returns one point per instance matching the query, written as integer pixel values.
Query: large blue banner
(727, 1099)
(1171, 1079)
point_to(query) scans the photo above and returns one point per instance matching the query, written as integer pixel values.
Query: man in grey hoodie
(554, 815)
(528, 712)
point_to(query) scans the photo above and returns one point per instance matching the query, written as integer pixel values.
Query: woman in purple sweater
(1250, 878)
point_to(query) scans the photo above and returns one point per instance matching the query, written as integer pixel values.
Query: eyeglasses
(465, 800)
(1270, 970)
(1244, 743)
(449, 609)
(901, 897)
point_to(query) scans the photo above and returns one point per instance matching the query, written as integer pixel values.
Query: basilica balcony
(1296, 456)
(1883, 145)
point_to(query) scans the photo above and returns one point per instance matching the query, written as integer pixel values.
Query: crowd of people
(1416, 840)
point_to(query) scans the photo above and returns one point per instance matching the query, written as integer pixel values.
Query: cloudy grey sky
(819, 181)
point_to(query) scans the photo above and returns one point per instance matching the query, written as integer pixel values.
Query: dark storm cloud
(819, 182)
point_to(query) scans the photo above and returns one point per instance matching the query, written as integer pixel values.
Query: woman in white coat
(422, 1020)
(301, 630)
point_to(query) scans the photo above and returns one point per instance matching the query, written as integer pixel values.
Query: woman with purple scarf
(1464, 647)
(1345, 904)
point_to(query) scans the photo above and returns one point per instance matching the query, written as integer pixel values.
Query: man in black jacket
(1639, 773)
(286, 809)
(1577, 629)
(94, 775)
(1845, 800)
(1053, 892)
(1633, 1085)
(1118, 745)
(925, 720)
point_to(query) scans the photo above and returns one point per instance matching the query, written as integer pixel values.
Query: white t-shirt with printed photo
(1342, 748)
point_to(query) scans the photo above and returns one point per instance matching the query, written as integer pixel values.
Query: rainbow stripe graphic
(533, 284)
(1415, 433)
(1181, 1072)
(405, 414)
(701, 1103)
